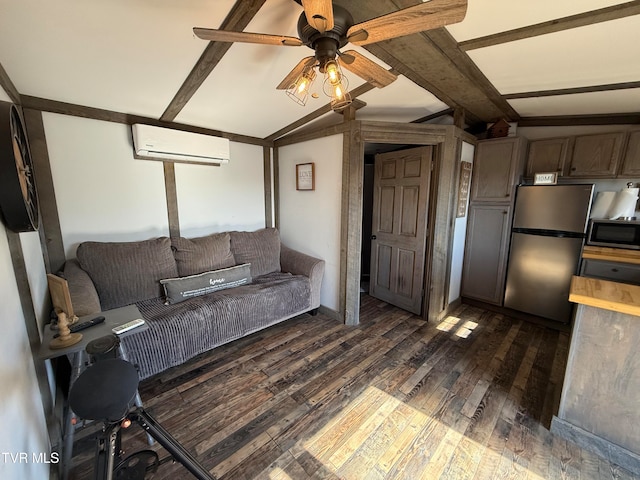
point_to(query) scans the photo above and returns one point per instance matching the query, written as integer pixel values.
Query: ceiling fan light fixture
(299, 90)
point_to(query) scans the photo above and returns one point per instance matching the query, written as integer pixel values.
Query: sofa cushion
(202, 254)
(260, 248)
(181, 331)
(127, 272)
(180, 289)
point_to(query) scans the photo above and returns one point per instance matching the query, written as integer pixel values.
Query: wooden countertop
(611, 254)
(617, 297)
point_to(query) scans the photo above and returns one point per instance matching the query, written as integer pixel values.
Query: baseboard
(329, 312)
(598, 445)
(562, 327)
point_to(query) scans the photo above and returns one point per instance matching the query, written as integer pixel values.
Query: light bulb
(332, 72)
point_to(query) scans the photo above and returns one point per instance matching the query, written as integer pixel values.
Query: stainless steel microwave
(614, 233)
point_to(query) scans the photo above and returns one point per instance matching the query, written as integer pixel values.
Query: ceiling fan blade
(229, 36)
(368, 69)
(319, 14)
(425, 16)
(293, 75)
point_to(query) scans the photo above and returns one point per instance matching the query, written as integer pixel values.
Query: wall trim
(609, 451)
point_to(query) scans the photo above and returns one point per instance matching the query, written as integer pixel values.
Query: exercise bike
(105, 392)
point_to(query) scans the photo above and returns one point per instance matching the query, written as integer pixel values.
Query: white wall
(459, 235)
(104, 194)
(219, 199)
(310, 220)
(22, 420)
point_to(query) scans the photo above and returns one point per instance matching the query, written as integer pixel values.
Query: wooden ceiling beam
(572, 91)
(574, 21)
(53, 106)
(8, 86)
(574, 120)
(449, 47)
(237, 20)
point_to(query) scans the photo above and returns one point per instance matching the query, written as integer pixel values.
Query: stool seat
(105, 390)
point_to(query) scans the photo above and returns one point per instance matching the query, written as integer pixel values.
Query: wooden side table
(79, 361)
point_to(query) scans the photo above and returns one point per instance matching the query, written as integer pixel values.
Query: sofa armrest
(84, 296)
(298, 263)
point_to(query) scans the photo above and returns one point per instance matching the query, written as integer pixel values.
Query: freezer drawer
(539, 275)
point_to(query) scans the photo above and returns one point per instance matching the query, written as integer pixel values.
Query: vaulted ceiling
(548, 62)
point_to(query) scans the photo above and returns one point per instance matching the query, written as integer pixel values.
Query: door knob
(373, 237)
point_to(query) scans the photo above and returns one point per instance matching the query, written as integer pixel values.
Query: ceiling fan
(326, 28)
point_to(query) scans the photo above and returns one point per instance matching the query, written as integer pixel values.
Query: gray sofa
(276, 283)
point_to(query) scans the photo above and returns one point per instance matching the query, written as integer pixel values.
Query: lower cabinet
(486, 252)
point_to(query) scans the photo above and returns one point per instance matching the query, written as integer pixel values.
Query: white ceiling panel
(616, 101)
(117, 54)
(486, 17)
(402, 101)
(583, 56)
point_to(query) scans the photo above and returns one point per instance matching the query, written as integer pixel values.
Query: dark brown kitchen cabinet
(548, 155)
(631, 165)
(596, 156)
(497, 168)
(485, 259)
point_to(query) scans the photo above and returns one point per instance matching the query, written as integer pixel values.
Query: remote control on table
(81, 326)
(125, 327)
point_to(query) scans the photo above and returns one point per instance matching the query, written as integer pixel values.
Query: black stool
(103, 348)
(106, 391)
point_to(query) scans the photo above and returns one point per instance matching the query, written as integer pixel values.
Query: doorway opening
(396, 224)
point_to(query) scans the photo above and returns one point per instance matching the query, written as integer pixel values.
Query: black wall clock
(18, 198)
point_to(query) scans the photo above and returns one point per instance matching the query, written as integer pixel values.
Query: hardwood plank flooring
(393, 398)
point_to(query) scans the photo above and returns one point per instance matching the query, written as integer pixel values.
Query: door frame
(447, 143)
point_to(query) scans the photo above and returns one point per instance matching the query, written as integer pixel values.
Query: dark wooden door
(399, 230)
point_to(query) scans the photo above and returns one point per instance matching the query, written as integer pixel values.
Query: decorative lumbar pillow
(260, 248)
(202, 254)
(183, 288)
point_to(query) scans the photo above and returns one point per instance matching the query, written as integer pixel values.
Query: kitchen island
(600, 404)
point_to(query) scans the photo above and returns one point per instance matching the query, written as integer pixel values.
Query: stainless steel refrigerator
(548, 231)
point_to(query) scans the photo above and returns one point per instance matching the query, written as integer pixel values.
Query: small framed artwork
(463, 189)
(305, 176)
(545, 178)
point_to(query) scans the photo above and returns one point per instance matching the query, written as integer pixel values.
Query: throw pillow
(183, 288)
(260, 248)
(202, 254)
(127, 272)
(84, 296)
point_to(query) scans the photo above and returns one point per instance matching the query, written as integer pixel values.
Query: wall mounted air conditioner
(167, 144)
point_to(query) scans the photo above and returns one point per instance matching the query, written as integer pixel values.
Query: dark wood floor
(396, 397)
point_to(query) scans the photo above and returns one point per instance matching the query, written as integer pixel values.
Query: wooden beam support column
(351, 228)
(172, 198)
(50, 231)
(268, 194)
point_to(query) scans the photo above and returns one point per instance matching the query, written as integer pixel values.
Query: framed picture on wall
(305, 178)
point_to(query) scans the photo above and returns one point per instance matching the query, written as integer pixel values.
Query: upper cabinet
(631, 164)
(596, 155)
(548, 155)
(603, 155)
(496, 169)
